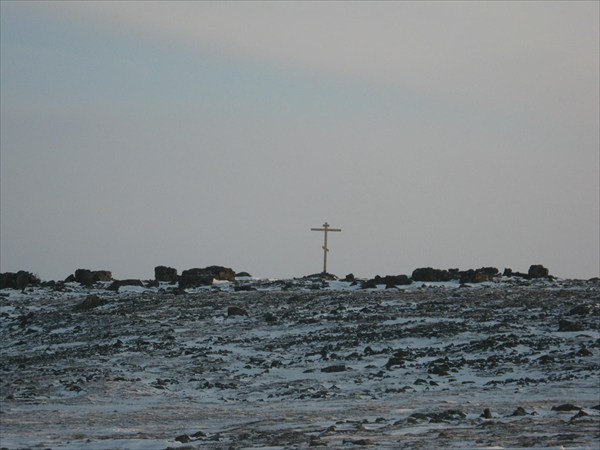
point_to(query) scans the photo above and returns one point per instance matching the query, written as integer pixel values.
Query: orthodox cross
(325, 229)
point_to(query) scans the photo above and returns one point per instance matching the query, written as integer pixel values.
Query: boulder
(194, 278)
(429, 274)
(390, 281)
(90, 302)
(567, 325)
(19, 280)
(538, 271)
(165, 274)
(203, 277)
(478, 276)
(243, 275)
(236, 311)
(85, 276)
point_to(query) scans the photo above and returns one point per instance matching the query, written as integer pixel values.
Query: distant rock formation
(479, 275)
(538, 271)
(19, 280)
(429, 274)
(165, 274)
(202, 277)
(390, 281)
(85, 276)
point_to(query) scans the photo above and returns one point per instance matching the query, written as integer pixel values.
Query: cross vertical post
(325, 230)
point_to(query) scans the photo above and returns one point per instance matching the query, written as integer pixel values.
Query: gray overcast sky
(444, 134)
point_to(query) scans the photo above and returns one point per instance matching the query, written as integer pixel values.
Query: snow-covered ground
(311, 364)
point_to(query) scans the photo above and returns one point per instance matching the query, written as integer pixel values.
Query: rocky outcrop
(429, 274)
(203, 277)
(165, 274)
(85, 276)
(390, 281)
(538, 271)
(19, 280)
(479, 275)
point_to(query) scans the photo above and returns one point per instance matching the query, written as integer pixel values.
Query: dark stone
(90, 302)
(70, 279)
(118, 283)
(566, 325)
(194, 278)
(580, 310)
(165, 274)
(184, 439)
(389, 281)
(432, 275)
(350, 278)
(507, 272)
(243, 274)
(270, 318)
(478, 276)
(236, 311)
(335, 368)
(538, 271)
(566, 408)
(520, 411)
(19, 280)
(584, 352)
(85, 276)
(487, 413)
(203, 277)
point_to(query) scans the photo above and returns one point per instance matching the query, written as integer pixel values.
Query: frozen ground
(310, 365)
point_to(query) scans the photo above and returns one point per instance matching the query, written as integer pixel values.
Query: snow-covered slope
(297, 364)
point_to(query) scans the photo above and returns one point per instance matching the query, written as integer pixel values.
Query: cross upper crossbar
(325, 230)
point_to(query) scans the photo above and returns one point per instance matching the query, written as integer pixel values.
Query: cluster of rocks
(429, 274)
(197, 277)
(18, 280)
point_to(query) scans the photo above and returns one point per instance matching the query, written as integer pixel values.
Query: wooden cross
(325, 229)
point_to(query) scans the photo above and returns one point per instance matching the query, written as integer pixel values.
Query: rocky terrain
(237, 362)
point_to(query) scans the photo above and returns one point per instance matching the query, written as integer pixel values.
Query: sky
(187, 134)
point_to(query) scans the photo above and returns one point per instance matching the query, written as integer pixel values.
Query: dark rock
(394, 361)
(19, 280)
(507, 272)
(243, 274)
(580, 310)
(566, 407)
(334, 368)
(538, 271)
(579, 415)
(165, 274)
(566, 325)
(584, 352)
(350, 278)
(194, 278)
(85, 276)
(90, 302)
(520, 411)
(203, 277)
(390, 281)
(439, 369)
(478, 276)
(244, 287)
(236, 311)
(270, 318)
(431, 275)
(184, 439)
(487, 413)
(447, 416)
(70, 279)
